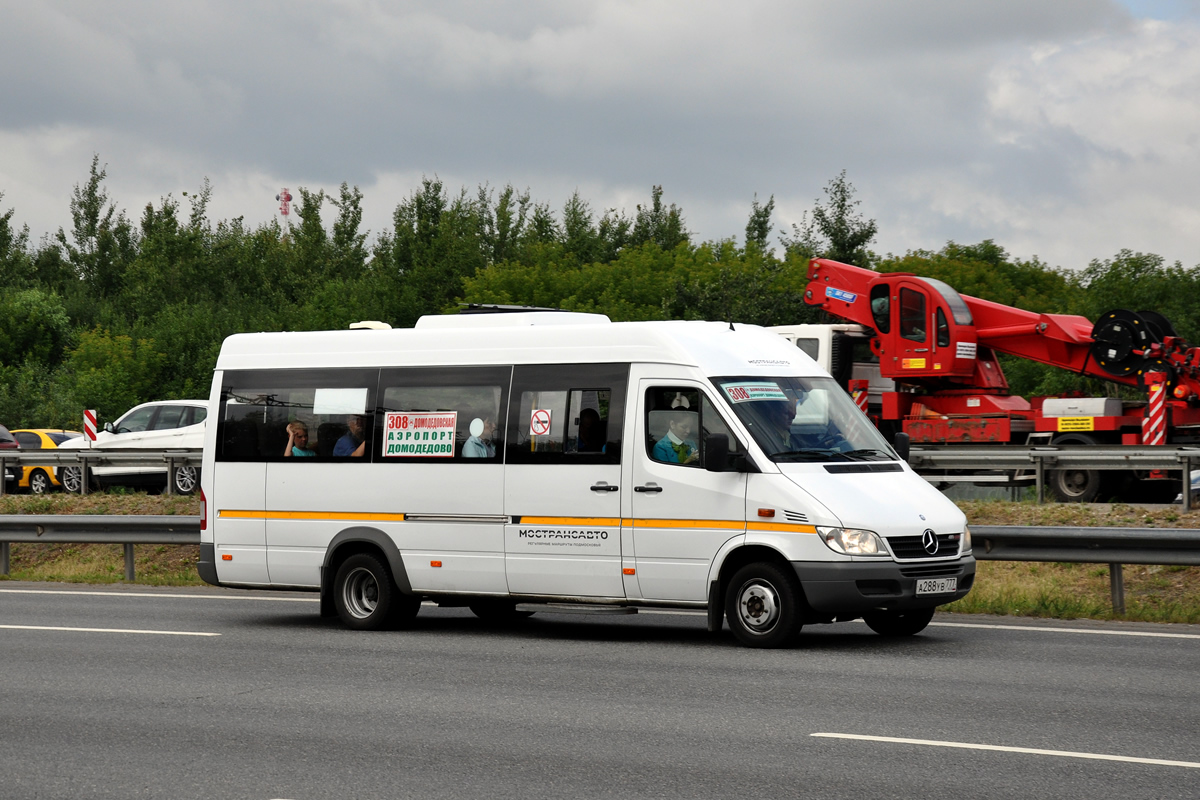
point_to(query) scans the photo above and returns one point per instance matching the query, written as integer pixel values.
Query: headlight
(966, 541)
(852, 542)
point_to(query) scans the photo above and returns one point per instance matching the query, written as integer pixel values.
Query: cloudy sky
(1067, 130)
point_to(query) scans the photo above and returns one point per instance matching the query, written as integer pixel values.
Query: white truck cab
(507, 461)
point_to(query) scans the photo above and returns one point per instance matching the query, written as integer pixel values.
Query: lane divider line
(1161, 762)
(102, 630)
(262, 597)
(1154, 634)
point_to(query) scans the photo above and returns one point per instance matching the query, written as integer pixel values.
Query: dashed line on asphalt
(103, 630)
(1161, 762)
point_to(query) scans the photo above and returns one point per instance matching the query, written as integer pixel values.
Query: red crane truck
(936, 377)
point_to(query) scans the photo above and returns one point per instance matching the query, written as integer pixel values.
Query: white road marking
(264, 596)
(102, 630)
(1048, 629)
(1162, 762)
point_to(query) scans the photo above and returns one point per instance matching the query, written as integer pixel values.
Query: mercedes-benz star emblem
(929, 542)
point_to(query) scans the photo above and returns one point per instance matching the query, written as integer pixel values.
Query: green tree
(16, 267)
(33, 327)
(836, 229)
(758, 229)
(102, 241)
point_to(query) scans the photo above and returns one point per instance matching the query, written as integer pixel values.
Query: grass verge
(1052, 590)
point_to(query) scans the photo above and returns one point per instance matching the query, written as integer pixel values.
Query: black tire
(366, 595)
(39, 482)
(71, 479)
(186, 478)
(763, 605)
(1075, 485)
(500, 612)
(898, 623)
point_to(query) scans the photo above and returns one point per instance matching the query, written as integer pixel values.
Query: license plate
(937, 585)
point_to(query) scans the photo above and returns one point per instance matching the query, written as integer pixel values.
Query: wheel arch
(724, 568)
(360, 539)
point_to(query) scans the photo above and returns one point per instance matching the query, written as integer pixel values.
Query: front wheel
(366, 596)
(898, 623)
(71, 478)
(39, 482)
(186, 478)
(762, 605)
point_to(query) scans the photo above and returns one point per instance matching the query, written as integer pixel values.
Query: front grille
(931, 571)
(911, 547)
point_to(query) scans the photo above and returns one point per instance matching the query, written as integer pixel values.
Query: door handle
(604, 487)
(649, 487)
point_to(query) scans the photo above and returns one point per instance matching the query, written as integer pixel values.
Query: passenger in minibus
(676, 447)
(353, 443)
(591, 432)
(297, 445)
(480, 444)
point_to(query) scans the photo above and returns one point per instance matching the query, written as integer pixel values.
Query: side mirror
(901, 442)
(108, 427)
(716, 452)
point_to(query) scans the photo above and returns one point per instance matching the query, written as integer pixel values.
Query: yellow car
(40, 480)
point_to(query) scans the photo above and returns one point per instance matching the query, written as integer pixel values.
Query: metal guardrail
(126, 530)
(1112, 546)
(172, 458)
(1035, 460)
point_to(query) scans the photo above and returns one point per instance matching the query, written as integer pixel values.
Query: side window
(912, 315)
(194, 416)
(880, 308)
(308, 415)
(28, 441)
(168, 417)
(443, 414)
(943, 329)
(810, 347)
(135, 422)
(677, 421)
(567, 414)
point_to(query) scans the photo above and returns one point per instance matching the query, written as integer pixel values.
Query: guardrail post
(4, 558)
(3, 470)
(1116, 582)
(1186, 492)
(1040, 472)
(170, 475)
(129, 576)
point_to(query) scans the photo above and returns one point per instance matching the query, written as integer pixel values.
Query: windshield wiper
(869, 454)
(809, 455)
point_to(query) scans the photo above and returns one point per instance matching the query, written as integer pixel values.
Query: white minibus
(555, 460)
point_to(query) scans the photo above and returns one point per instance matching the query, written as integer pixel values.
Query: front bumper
(844, 589)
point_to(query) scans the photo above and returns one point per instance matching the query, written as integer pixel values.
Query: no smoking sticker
(539, 422)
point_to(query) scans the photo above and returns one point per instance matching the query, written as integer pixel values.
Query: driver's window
(678, 418)
(136, 422)
(912, 315)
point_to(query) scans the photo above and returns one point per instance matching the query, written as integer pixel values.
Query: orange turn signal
(766, 512)
(435, 563)
(628, 571)
(227, 557)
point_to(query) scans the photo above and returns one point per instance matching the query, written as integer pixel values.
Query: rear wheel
(1075, 485)
(186, 478)
(366, 596)
(71, 478)
(39, 482)
(762, 605)
(898, 623)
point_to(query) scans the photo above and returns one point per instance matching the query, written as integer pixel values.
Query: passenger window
(168, 417)
(444, 414)
(567, 414)
(28, 441)
(943, 329)
(880, 307)
(678, 419)
(912, 315)
(299, 415)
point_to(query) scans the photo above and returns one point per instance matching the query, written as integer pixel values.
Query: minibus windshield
(803, 419)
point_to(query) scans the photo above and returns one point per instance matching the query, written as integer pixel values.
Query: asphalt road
(125, 692)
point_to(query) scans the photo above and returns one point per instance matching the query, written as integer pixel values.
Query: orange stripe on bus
(359, 516)
(782, 527)
(604, 522)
